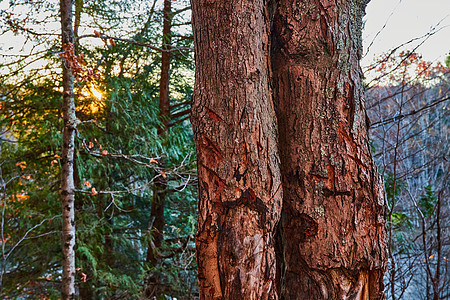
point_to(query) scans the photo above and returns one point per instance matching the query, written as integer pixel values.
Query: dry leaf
(22, 164)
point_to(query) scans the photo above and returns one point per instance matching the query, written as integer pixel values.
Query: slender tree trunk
(236, 134)
(437, 272)
(157, 220)
(332, 229)
(164, 100)
(78, 9)
(67, 156)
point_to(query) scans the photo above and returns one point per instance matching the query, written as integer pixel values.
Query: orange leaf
(431, 256)
(104, 152)
(21, 197)
(87, 184)
(112, 42)
(22, 164)
(91, 144)
(94, 191)
(83, 277)
(152, 160)
(163, 174)
(97, 33)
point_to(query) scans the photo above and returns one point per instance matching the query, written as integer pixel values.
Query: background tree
(154, 283)
(407, 107)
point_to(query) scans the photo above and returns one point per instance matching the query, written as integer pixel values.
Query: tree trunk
(67, 156)
(238, 164)
(164, 100)
(330, 241)
(157, 220)
(332, 229)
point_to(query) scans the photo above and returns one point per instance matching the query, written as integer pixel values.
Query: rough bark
(67, 157)
(332, 229)
(331, 237)
(157, 220)
(236, 134)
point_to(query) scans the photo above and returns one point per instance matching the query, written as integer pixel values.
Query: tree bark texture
(238, 164)
(332, 225)
(330, 237)
(67, 158)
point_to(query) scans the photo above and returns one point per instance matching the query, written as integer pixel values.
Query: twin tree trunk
(291, 206)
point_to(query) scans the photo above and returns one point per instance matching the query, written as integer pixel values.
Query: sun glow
(91, 99)
(96, 93)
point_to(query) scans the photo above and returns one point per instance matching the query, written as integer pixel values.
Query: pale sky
(410, 19)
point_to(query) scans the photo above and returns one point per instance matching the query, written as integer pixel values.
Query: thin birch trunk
(67, 157)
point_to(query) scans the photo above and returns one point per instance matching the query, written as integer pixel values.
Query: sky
(405, 20)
